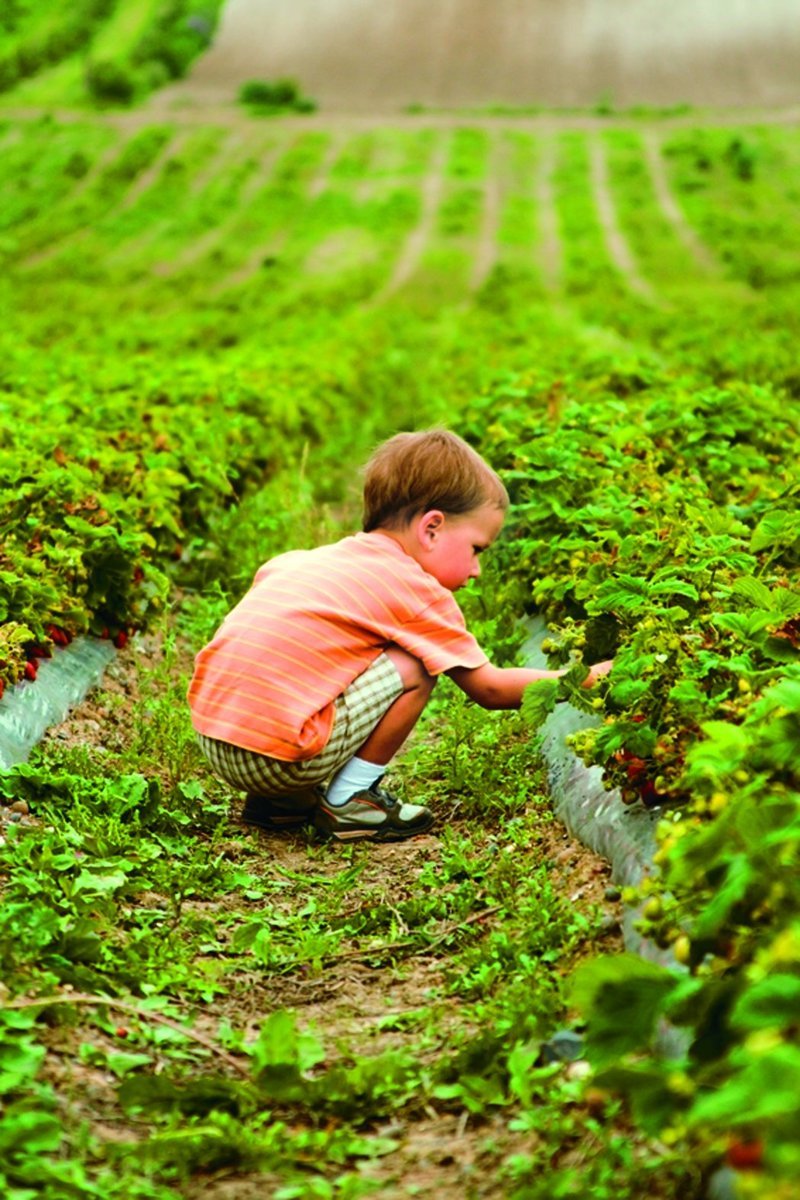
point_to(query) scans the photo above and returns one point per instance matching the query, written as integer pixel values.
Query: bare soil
(359, 56)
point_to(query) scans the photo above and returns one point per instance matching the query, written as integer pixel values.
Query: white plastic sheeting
(29, 708)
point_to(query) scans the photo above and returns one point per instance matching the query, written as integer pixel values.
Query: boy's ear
(429, 526)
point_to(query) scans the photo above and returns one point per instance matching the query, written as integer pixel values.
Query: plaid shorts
(356, 713)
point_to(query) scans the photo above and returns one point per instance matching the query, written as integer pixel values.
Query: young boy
(321, 671)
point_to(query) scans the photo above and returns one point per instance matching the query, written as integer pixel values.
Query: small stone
(608, 925)
(21, 807)
(564, 1046)
(580, 1069)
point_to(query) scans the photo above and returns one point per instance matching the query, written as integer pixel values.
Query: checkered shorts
(356, 713)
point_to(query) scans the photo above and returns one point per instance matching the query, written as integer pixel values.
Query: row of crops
(99, 52)
(209, 237)
(204, 331)
(658, 523)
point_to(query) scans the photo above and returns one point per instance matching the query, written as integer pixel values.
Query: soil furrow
(218, 233)
(486, 250)
(418, 238)
(549, 250)
(670, 207)
(618, 249)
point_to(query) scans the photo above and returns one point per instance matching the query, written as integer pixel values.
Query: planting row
(99, 52)
(604, 219)
(657, 521)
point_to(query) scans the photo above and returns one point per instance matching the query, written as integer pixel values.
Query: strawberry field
(208, 322)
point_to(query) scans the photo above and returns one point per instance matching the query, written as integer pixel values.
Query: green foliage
(270, 97)
(118, 70)
(110, 82)
(36, 36)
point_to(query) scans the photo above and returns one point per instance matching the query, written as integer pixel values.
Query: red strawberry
(30, 671)
(57, 635)
(745, 1155)
(121, 639)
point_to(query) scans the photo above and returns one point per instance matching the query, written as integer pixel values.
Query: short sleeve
(439, 638)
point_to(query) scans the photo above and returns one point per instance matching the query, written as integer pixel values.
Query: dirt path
(431, 198)
(171, 149)
(670, 207)
(369, 995)
(231, 148)
(549, 250)
(618, 249)
(486, 249)
(202, 110)
(267, 250)
(321, 177)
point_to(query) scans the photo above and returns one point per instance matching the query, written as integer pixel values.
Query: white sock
(355, 776)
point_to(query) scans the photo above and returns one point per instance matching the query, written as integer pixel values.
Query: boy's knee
(411, 670)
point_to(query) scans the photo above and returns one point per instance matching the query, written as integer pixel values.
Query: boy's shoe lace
(280, 812)
(374, 814)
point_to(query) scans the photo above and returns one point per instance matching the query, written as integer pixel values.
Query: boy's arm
(502, 687)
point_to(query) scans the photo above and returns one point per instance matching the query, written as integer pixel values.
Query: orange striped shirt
(311, 623)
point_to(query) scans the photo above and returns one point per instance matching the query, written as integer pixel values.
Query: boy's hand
(597, 672)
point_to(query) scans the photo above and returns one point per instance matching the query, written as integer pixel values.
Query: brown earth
(362, 56)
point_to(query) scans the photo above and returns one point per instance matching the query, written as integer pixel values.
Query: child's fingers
(597, 671)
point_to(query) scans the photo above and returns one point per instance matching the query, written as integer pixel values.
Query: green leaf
(785, 602)
(628, 692)
(766, 1088)
(774, 1002)
(776, 530)
(754, 591)
(28, 1133)
(19, 1064)
(282, 1055)
(538, 701)
(123, 1062)
(739, 874)
(99, 885)
(621, 998)
(672, 586)
(745, 625)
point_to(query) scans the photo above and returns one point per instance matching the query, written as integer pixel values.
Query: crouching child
(316, 678)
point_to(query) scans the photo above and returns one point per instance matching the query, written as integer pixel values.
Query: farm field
(206, 326)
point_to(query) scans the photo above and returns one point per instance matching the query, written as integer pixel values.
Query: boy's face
(451, 545)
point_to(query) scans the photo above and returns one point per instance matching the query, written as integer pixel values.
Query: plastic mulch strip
(622, 834)
(29, 708)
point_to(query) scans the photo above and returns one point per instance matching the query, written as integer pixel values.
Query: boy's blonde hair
(413, 473)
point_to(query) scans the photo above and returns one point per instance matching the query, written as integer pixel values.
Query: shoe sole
(372, 835)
